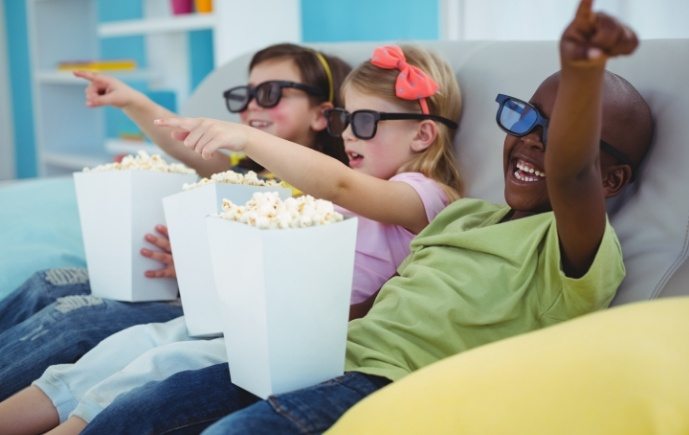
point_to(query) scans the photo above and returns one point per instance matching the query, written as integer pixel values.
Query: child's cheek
(278, 116)
(244, 117)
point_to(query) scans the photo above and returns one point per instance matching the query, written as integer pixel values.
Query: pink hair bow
(412, 83)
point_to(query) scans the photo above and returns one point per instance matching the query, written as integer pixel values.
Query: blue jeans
(68, 323)
(40, 290)
(190, 401)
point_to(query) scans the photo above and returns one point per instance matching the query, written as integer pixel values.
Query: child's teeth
(530, 170)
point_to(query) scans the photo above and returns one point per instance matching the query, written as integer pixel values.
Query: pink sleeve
(432, 195)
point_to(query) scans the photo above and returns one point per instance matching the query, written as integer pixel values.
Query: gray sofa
(651, 221)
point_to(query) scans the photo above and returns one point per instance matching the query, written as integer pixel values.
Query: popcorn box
(285, 301)
(116, 209)
(185, 213)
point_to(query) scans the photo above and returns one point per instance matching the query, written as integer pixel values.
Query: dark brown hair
(312, 73)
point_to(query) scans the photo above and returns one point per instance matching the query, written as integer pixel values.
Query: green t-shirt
(472, 280)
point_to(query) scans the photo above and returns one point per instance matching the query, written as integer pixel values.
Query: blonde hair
(437, 161)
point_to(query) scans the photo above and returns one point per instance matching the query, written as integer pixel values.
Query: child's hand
(592, 37)
(162, 241)
(106, 91)
(205, 136)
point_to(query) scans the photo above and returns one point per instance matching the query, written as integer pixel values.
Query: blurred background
(166, 48)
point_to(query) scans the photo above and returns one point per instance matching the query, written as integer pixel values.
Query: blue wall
(369, 20)
(20, 87)
(324, 21)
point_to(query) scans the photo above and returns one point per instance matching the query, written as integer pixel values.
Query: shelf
(178, 23)
(66, 77)
(75, 162)
(123, 146)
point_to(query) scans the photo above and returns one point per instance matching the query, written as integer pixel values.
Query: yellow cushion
(620, 371)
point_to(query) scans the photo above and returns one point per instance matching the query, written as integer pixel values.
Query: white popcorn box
(116, 209)
(185, 213)
(285, 299)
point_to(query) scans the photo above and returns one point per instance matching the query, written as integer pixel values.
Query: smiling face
(294, 116)
(626, 124)
(523, 161)
(383, 154)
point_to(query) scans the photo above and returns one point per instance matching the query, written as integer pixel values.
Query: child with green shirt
(479, 272)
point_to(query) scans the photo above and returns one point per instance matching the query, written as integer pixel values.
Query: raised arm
(310, 171)
(104, 90)
(575, 187)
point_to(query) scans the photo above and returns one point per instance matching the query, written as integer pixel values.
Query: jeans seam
(195, 423)
(284, 411)
(286, 414)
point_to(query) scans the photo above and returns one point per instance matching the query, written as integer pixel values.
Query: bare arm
(104, 90)
(574, 179)
(310, 171)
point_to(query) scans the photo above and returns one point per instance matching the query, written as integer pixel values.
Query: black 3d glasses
(267, 94)
(365, 122)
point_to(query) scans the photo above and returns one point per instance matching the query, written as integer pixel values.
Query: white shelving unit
(69, 135)
(180, 23)
(123, 146)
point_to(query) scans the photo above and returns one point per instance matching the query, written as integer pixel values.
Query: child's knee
(67, 304)
(62, 277)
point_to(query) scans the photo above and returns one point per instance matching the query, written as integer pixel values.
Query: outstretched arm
(104, 90)
(575, 186)
(312, 172)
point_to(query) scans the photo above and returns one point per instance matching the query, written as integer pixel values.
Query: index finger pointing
(88, 75)
(182, 123)
(585, 11)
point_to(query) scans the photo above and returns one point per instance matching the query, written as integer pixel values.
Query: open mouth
(257, 123)
(526, 172)
(355, 159)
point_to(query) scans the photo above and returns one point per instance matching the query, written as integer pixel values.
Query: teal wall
(20, 87)
(322, 20)
(369, 20)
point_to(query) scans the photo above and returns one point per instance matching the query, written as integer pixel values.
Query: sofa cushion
(39, 229)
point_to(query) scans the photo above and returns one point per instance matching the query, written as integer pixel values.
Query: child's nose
(534, 138)
(253, 105)
(347, 134)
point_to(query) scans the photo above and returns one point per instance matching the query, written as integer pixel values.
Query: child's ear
(615, 178)
(425, 135)
(318, 122)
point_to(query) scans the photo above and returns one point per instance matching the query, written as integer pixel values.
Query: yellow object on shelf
(97, 65)
(203, 6)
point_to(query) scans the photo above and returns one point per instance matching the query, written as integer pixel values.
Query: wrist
(137, 101)
(249, 137)
(581, 74)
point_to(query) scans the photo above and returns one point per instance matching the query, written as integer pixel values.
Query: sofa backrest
(651, 217)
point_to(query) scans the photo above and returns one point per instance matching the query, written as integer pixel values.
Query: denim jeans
(190, 401)
(40, 290)
(64, 330)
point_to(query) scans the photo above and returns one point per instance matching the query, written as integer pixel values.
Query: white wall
(246, 26)
(6, 130)
(545, 19)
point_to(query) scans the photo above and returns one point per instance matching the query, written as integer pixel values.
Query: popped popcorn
(265, 210)
(231, 177)
(144, 162)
